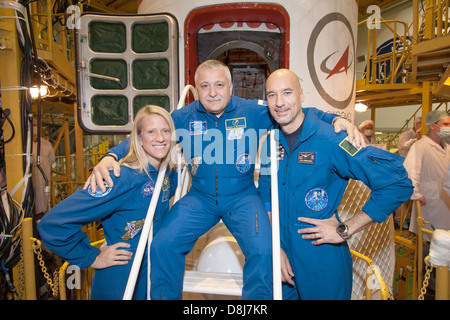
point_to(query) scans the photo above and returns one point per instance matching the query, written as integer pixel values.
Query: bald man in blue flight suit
(219, 136)
(314, 167)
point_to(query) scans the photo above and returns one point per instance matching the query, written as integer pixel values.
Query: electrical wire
(11, 212)
(11, 217)
(6, 113)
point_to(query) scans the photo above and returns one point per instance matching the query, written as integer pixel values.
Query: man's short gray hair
(213, 64)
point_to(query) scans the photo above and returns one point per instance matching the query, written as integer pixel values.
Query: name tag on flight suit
(306, 157)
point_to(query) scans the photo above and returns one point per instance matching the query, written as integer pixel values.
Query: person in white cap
(366, 128)
(427, 163)
(407, 138)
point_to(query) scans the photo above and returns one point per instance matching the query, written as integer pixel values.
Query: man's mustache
(214, 99)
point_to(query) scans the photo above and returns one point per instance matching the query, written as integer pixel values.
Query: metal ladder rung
(213, 283)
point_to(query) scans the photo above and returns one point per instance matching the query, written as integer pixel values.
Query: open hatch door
(123, 63)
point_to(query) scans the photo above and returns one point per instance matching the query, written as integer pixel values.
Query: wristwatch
(342, 230)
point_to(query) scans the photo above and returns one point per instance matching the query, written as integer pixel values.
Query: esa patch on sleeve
(348, 147)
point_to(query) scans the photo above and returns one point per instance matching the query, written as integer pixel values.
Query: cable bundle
(10, 219)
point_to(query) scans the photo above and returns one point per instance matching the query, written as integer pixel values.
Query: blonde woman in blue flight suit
(122, 210)
(314, 167)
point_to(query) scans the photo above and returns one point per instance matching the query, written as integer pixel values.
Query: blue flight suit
(312, 179)
(122, 210)
(221, 154)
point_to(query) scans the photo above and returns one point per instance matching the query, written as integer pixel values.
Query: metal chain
(21, 274)
(423, 291)
(53, 284)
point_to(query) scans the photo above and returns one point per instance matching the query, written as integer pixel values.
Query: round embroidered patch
(147, 189)
(98, 193)
(316, 199)
(243, 163)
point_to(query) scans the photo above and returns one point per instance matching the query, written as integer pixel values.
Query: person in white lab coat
(407, 138)
(47, 158)
(427, 163)
(366, 128)
(447, 181)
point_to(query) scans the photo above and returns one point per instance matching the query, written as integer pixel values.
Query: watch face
(341, 228)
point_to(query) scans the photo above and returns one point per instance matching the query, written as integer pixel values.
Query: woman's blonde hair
(136, 157)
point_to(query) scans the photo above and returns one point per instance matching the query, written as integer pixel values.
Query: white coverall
(405, 141)
(427, 164)
(47, 159)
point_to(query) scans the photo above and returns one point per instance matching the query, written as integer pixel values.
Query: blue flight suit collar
(151, 169)
(309, 129)
(229, 108)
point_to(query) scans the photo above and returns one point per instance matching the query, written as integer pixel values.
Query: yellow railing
(64, 183)
(416, 245)
(396, 58)
(372, 270)
(62, 275)
(431, 19)
(51, 29)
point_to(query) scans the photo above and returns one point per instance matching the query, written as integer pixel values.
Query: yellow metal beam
(386, 86)
(440, 43)
(28, 259)
(57, 60)
(10, 58)
(442, 89)
(100, 6)
(427, 104)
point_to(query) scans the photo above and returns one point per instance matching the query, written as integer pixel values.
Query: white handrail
(183, 179)
(184, 93)
(277, 294)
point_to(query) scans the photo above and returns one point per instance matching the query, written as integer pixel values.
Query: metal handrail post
(28, 259)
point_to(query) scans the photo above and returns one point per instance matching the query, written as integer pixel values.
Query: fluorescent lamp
(359, 107)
